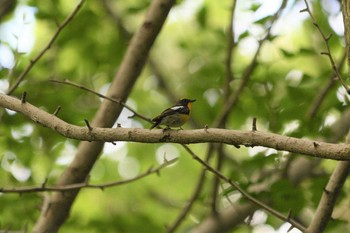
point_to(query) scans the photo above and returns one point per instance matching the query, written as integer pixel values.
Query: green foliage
(190, 53)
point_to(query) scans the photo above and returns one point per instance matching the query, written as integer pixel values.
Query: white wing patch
(177, 107)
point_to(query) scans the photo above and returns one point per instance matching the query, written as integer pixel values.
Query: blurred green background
(190, 55)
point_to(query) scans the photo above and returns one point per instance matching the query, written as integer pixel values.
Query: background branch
(232, 100)
(346, 18)
(330, 194)
(333, 188)
(316, 103)
(328, 53)
(45, 188)
(246, 194)
(47, 47)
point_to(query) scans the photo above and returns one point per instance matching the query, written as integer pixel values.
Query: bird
(175, 116)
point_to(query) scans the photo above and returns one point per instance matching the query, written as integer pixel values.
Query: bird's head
(185, 102)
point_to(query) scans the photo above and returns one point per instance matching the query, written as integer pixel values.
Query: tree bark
(56, 208)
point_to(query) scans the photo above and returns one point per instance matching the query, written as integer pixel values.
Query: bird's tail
(156, 123)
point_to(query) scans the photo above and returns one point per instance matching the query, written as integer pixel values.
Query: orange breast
(189, 105)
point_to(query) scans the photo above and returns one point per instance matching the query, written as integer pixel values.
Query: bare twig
(67, 82)
(23, 98)
(254, 124)
(47, 47)
(57, 110)
(45, 188)
(88, 124)
(326, 41)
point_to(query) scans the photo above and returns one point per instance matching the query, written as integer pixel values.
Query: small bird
(175, 116)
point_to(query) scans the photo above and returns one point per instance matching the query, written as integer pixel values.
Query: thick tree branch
(56, 208)
(329, 197)
(230, 137)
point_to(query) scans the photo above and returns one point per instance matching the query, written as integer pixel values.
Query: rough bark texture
(231, 137)
(56, 208)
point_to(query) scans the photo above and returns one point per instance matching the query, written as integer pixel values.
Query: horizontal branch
(45, 188)
(230, 137)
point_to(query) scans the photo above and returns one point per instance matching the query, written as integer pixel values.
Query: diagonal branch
(316, 103)
(328, 53)
(47, 47)
(244, 193)
(67, 82)
(330, 194)
(341, 172)
(56, 208)
(230, 137)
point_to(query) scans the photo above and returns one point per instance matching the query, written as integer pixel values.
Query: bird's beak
(192, 101)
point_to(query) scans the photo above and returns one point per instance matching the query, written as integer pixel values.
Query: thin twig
(47, 47)
(67, 82)
(45, 188)
(326, 41)
(244, 193)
